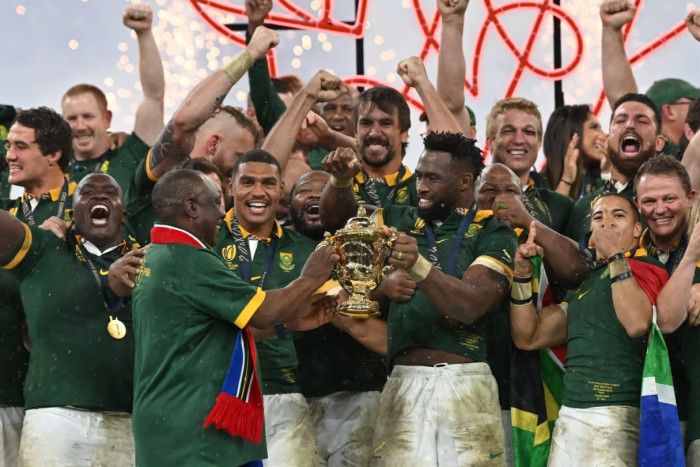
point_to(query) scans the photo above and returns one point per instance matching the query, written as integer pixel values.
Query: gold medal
(116, 328)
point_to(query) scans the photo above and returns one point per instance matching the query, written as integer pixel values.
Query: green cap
(668, 91)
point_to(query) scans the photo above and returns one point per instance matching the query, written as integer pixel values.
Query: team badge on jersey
(402, 195)
(287, 261)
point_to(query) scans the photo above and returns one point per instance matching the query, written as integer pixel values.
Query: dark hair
(51, 131)
(256, 155)
(174, 187)
(462, 150)
(607, 194)
(664, 165)
(642, 99)
(693, 121)
(201, 164)
(243, 121)
(564, 122)
(387, 100)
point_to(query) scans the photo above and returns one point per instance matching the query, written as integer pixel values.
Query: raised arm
(618, 79)
(148, 121)
(338, 202)
(268, 105)
(691, 160)
(529, 328)
(12, 233)
(322, 87)
(451, 63)
(674, 298)
(175, 141)
(412, 72)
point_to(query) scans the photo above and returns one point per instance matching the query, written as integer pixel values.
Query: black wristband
(616, 256)
(515, 301)
(621, 277)
(281, 330)
(522, 280)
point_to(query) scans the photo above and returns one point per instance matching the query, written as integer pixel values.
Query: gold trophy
(363, 248)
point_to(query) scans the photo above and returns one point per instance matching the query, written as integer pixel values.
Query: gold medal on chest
(116, 328)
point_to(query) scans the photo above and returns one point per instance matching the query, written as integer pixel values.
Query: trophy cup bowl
(363, 249)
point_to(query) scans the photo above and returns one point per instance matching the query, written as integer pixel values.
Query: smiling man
(38, 150)
(514, 136)
(440, 404)
(77, 406)
(256, 248)
(84, 107)
(634, 138)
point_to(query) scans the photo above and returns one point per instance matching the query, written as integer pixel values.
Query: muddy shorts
(288, 432)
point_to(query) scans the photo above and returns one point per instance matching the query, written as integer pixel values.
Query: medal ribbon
(244, 258)
(371, 189)
(27, 209)
(98, 165)
(434, 255)
(112, 305)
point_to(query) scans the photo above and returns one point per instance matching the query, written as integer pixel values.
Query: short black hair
(664, 165)
(642, 99)
(461, 149)
(609, 194)
(256, 155)
(172, 189)
(51, 131)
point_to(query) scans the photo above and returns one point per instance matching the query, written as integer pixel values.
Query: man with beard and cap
(440, 404)
(604, 323)
(199, 128)
(514, 136)
(634, 137)
(38, 150)
(84, 107)
(671, 96)
(78, 391)
(183, 318)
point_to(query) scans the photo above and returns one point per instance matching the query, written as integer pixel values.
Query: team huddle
(166, 297)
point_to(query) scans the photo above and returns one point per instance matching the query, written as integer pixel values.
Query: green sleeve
(27, 255)
(561, 207)
(498, 242)
(267, 103)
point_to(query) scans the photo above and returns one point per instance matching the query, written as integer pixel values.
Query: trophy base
(359, 308)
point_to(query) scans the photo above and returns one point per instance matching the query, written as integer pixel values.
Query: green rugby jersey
(188, 308)
(120, 163)
(14, 362)
(416, 323)
(278, 359)
(404, 195)
(74, 361)
(547, 206)
(603, 364)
